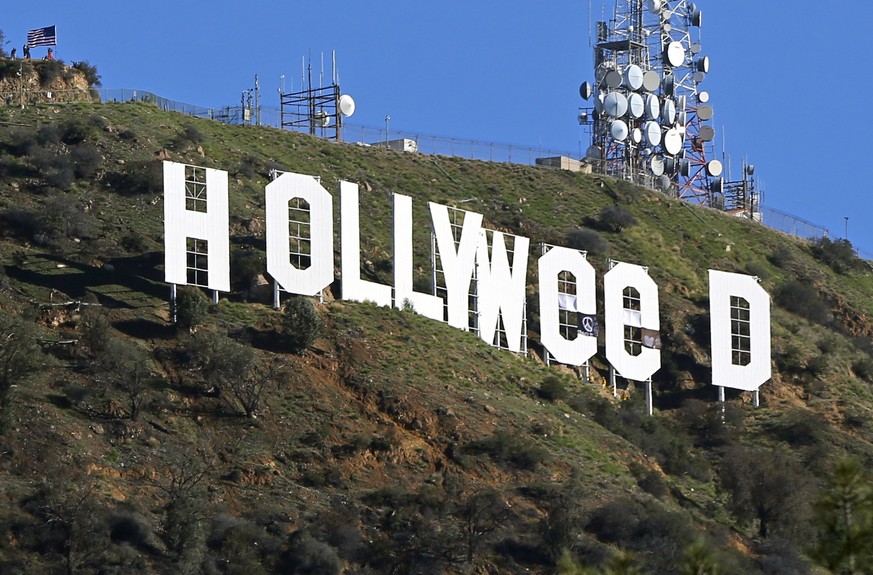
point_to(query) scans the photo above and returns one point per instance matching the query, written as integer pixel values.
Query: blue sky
(791, 86)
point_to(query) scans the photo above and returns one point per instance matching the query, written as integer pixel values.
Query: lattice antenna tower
(319, 110)
(650, 118)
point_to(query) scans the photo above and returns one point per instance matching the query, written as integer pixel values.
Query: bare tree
(128, 368)
(20, 356)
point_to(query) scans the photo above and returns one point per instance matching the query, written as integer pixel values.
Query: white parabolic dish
(675, 54)
(346, 105)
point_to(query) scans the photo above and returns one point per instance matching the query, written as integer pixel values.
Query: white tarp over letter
(319, 274)
(723, 286)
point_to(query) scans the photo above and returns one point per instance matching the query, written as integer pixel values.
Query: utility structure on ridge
(650, 119)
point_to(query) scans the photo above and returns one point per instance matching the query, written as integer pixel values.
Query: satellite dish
(656, 164)
(714, 168)
(669, 166)
(706, 133)
(695, 48)
(663, 182)
(636, 106)
(600, 73)
(698, 77)
(654, 6)
(651, 81)
(684, 168)
(321, 117)
(673, 141)
(682, 118)
(598, 103)
(666, 28)
(346, 105)
(633, 77)
(619, 131)
(703, 97)
(585, 90)
(615, 104)
(696, 18)
(612, 79)
(750, 170)
(717, 186)
(594, 152)
(674, 55)
(703, 64)
(652, 133)
(653, 107)
(667, 84)
(636, 135)
(704, 112)
(668, 112)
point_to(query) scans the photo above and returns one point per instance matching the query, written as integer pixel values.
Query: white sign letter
(550, 265)
(425, 304)
(196, 243)
(354, 288)
(501, 288)
(457, 262)
(311, 279)
(621, 276)
(739, 311)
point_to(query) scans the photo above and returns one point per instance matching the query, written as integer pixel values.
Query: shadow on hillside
(77, 280)
(145, 329)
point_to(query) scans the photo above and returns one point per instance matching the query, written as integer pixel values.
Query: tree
(20, 357)
(191, 307)
(844, 519)
(616, 218)
(229, 366)
(768, 486)
(129, 370)
(301, 324)
(480, 516)
(699, 560)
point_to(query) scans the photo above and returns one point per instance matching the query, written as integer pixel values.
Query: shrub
(191, 307)
(839, 255)
(552, 389)
(75, 131)
(512, 449)
(802, 299)
(192, 134)
(87, 160)
(61, 218)
(49, 71)
(588, 240)
(616, 218)
(301, 324)
(863, 368)
(90, 72)
(781, 256)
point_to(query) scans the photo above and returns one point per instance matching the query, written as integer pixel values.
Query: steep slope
(395, 444)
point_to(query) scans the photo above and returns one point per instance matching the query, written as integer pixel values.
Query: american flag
(42, 37)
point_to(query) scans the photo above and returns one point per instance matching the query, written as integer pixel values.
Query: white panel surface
(501, 288)
(355, 288)
(643, 366)
(457, 264)
(723, 285)
(181, 223)
(319, 274)
(425, 304)
(550, 265)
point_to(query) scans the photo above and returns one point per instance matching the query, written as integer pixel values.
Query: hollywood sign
(739, 306)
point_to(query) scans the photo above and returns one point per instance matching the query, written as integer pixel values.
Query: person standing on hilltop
(13, 53)
(27, 51)
(50, 55)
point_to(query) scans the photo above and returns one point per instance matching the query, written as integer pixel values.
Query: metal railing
(424, 143)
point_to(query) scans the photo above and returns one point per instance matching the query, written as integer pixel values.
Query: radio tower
(650, 118)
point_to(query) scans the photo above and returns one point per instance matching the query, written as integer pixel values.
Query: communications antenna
(320, 110)
(650, 118)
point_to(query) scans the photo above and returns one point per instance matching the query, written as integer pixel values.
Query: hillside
(394, 444)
